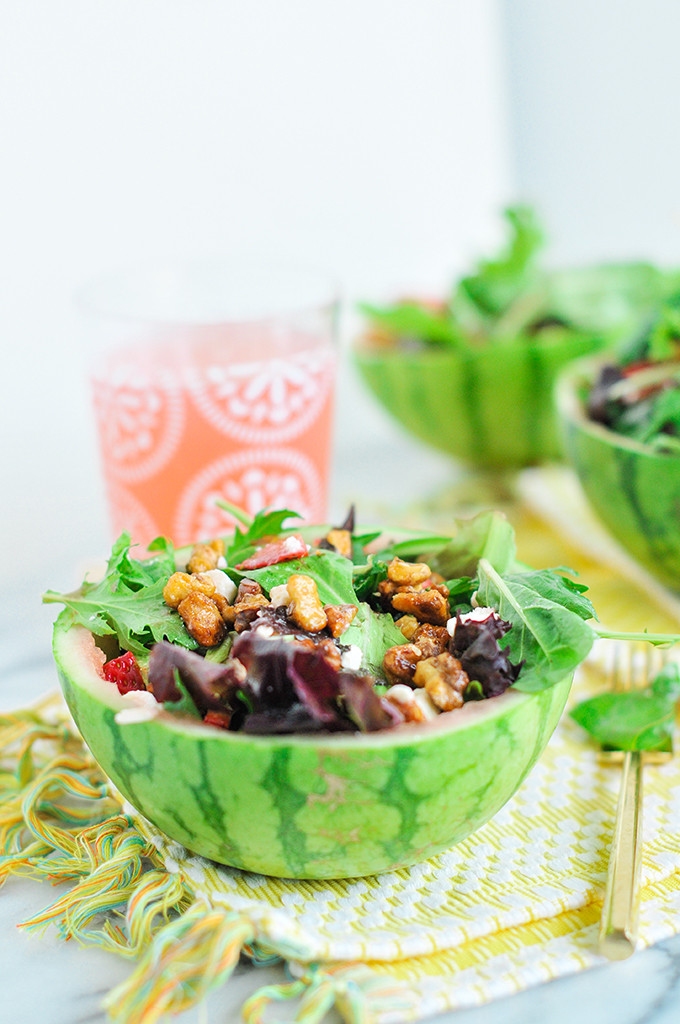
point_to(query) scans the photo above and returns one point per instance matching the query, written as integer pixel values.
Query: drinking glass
(211, 380)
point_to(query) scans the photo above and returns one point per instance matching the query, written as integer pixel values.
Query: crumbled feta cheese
(291, 544)
(223, 585)
(264, 630)
(351, 658)
(221, 562)
(279, 596)
(400, 692)
(144, 708)
(477, 614)
(424, 702)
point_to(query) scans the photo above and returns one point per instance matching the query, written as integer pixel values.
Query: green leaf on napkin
(635, 720)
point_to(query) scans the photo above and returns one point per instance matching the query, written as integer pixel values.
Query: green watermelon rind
(491, 407)
(308, 806)
(634, 490)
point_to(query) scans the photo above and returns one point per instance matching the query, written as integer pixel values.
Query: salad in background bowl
(318, 702)
(621, 424)
(473, 374)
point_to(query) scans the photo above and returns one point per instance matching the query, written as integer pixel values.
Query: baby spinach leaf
(635, 720)
(487, 535)
(374, 633)
(331, 572)
(550, 638)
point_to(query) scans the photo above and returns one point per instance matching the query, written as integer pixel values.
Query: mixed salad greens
(278, 629)
(639, 394)
(514, 297)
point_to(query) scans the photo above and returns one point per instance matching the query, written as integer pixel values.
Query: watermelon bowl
(339, 804)
(302, 807)
(633, 488)
(490, 407)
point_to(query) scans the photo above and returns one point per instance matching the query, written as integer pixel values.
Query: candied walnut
(432, 640)
(218, 546)
(408, 624)
(339, 617)
(202, 618)
(305, 608)
(404, 698)
(181, 584)
(246, 608)
(223, 606)
(443, 679)
(203, 557)
(177, 588)
(341, 540)
(247, 588)
(407, 573)
(400, 662)
(426, 605)
(330, 652)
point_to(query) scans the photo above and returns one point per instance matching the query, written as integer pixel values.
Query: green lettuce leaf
(374, 633)
(635, 719)
(331, 572)
(550, 638)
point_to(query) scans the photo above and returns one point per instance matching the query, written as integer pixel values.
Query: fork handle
(619, 921)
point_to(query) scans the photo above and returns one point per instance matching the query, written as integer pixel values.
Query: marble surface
(45, 980)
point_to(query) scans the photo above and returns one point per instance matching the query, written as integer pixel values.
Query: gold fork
(620, 912)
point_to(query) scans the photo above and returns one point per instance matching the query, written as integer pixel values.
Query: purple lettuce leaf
(208, 684)
(475, 644)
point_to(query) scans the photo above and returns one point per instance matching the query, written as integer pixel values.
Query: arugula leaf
(128, 601)
(268, 523)
(331, 572)
(550, 638)
(461, 591)
(135, 574)
(636, 719)
(367, 577)
(374, 633)
(138, 618)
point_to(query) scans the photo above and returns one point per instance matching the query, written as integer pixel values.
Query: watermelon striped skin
(632, 489)
(309, 807)
(490, 408)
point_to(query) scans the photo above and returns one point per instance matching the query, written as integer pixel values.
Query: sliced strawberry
(284, 550)
(125, 673)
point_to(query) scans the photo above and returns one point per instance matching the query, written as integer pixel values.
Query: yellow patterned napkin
(516, 904)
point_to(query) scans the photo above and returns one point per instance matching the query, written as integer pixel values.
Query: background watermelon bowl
(309, 807)
(490, 407)
(633, 489)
